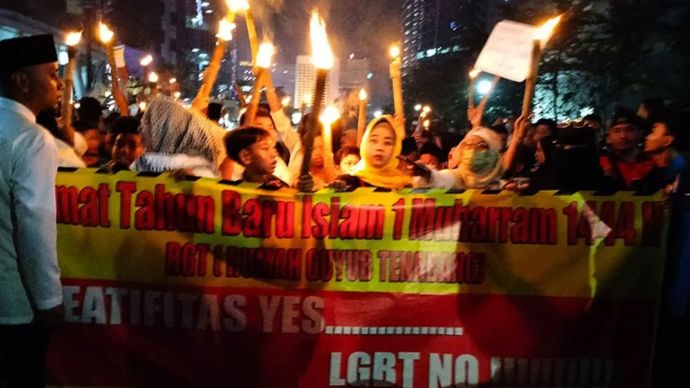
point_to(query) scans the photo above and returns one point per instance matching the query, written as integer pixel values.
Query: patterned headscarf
(168, 128)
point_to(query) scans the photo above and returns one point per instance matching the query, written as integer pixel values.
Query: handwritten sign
(508, 50)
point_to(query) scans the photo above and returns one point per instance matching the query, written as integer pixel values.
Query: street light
(484, 87)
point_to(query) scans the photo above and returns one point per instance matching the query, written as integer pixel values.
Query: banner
(205, 283)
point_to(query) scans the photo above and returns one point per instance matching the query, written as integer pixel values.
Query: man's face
(262, 156)
(45, 86)
(658, 140)
(623, 137)
(128, 148)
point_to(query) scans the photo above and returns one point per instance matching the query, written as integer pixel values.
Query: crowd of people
(633, 151)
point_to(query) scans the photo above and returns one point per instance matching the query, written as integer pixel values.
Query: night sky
(365, 27)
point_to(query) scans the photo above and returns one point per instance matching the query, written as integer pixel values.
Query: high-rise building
(437, 28)
(189, 29)
(305, 79)
(354, 74)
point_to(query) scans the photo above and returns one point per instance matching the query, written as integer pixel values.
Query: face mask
(479, 162)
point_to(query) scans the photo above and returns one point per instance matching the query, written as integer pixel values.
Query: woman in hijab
(176, 138)
(381, 144)
(479, 154)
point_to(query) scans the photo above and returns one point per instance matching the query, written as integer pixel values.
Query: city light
(484, 87)
(73, 39)
(147, 60)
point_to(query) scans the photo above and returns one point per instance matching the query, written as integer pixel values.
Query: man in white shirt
(30, 289)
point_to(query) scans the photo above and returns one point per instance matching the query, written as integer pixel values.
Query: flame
(474, 73)
(153, 77)
(237, 5)
(545, 31)
(147, 60)
(265, 55)
(330, 115)
(172, 81)
(105, 34)
(426, 124)
(426, 109)
(363, 95)
(322, 54)
(225, 29)
(73, 38)
(395, 51)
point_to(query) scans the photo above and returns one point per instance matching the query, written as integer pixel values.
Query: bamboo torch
(263, 64)
(224, 35)
(362, 115)
(396, 79)
(323, 60)
(234, 7)
(106, 36)
(72, 41)
(237, 6)
(541, 37)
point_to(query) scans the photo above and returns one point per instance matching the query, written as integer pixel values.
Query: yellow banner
(204, 233)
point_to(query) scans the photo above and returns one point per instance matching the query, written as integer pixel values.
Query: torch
(145, 62)
(263, 63)
(235, 6)
(362, 115)
(396, 79)
(106, 36)
(323, 60)
(211, 74)
(541, 37)
(72, 41)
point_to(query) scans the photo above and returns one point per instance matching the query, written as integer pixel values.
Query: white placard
(508, 51)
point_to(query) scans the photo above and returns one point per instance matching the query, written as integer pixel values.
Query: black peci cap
(26, 51)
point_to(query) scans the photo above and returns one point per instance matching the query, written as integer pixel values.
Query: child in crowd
(346, 159)
(128, 145)
(255, 149)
